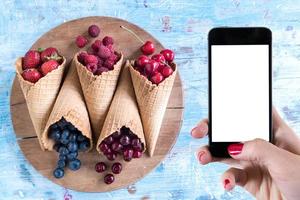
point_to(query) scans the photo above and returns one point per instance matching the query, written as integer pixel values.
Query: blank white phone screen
(239, 92)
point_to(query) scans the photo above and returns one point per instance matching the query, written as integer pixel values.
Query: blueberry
(62, 157)
(56, 147)
(55, 135)
(72, 147)
(80, 138)
(71, 127)
(63, 150)
(72, 155)
(83, 146)
(65, 134)
(62, 123)
(53, 127)
(72, 137)
(74, 164)
(58, 173)
(61, 163)
(64, 141)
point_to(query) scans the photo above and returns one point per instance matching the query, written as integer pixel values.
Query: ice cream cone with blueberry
(122, 133)
(153, 78)
(40, 73)
(98, 70)
(68, 130)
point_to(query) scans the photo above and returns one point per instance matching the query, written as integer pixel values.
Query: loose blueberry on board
(58, 173)
(72, 155)
(61, 163)
(74, 164)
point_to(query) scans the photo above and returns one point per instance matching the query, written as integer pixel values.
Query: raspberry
(92, 67)
(96, 45)
(100, 70)
(104, 52)
(94, 30)
(81, 57)
(109, 64)
(90, 59)
(107, 40)
(81, 41)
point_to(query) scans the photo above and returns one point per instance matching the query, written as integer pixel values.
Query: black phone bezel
(237, 36)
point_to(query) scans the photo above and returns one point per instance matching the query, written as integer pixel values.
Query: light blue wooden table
(180, 25)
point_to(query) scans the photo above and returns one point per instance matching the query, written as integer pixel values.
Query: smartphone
(240, 86)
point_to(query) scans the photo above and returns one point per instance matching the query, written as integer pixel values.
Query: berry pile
(124, 143)
(101, 56)
(38, 63)
(68, 142)
(156, 68)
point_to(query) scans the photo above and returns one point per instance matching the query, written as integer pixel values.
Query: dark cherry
(103, 147)
(116, 135)
(168, 54)
(158, 58)
(100, 167)
(116, 168)
(138, 147)
(109, 140)
(137, 154)
(112, 156)
(135, 142)
(127, 154)
(109, 179)
(108, 151)
(116, 146)
(142, 61)
(148, 48)
(125, 140)
(151, 67)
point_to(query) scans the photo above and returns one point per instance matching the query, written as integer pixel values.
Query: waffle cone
(98, 92)
(40, 96)
(123, 110)
(152, 101)
(69, 105)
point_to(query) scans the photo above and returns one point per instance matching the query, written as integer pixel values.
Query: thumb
(258, 151)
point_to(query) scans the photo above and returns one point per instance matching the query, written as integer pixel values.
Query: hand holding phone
(240, 83)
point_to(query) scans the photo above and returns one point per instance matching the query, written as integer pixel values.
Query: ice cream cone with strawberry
(153, 78)
(40, 73)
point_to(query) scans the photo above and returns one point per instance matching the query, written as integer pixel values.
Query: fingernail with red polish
(235, 149)
(193, 130)
(226, 183)
(200, 155)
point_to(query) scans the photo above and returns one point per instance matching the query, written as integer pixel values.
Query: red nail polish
(235, 149)
(200, 154)
(226, 182)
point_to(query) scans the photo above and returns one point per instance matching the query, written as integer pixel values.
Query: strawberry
(49, 66)
(49, 53)
(32, 59)
(32, 75)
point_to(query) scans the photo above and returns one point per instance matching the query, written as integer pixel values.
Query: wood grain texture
(86, 179)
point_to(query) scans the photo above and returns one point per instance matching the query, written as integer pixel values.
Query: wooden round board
(86, 179)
